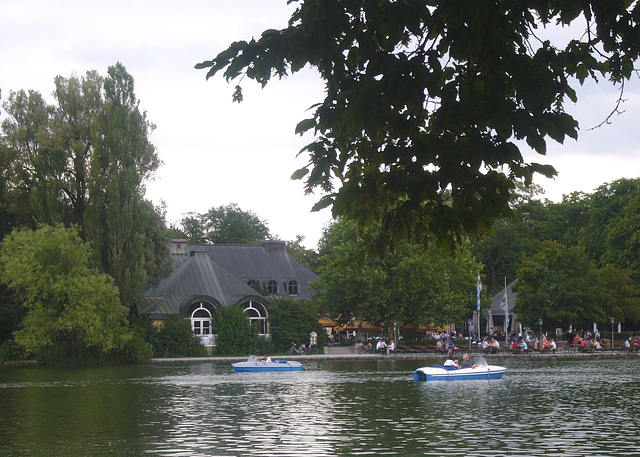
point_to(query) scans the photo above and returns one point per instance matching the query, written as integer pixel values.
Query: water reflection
(551, 407)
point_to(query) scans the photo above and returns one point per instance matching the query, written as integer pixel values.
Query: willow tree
(427, 103)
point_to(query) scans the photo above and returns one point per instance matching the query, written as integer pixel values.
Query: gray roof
(198, 276)
(220, 273)
(262, 263)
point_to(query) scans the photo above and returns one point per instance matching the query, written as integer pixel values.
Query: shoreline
(355, 356)
(404, 356)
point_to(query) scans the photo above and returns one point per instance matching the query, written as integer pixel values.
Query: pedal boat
(255, 364)
(442, 373)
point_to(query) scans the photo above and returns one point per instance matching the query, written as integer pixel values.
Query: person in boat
(452, 361)
(266, 358)
(465, 362)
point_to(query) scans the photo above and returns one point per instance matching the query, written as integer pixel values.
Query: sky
(216, 152)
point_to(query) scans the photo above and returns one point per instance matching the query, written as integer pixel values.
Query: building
(206, 277)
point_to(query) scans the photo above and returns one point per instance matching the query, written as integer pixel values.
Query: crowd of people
(632, 344)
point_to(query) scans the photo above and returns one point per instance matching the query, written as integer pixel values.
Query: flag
(505, 307)
(479, 289)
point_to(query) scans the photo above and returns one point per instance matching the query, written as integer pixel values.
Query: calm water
(551, 407)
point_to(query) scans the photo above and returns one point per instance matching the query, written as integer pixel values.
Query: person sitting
(495, 346)
(465, 362)
(452, 362)
(266, 358)
(381, 347)
(514, 347)
(524, 347)
(485, 346)
(553, 346)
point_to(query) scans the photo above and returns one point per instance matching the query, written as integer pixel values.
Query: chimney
(178, 246)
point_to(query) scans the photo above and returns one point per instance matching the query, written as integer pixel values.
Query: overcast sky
(216, 152)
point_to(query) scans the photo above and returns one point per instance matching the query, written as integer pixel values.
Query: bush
(9, 351)
(176, 339)
(234, 333)
(292, 321)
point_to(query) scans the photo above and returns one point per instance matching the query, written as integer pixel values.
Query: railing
(208, 340)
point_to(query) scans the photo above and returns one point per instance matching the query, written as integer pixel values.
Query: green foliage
(83, 161)
(175, 338)
(559, 285)
(307, 257)
(231, 325)
(606, 212)
(416, 285)
(292, 321)
(620, 297)
(426, 103)
(71, 309)
(225, 225)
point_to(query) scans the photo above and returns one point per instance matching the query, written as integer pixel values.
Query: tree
(621, 298)
(70, 307)
(606, 208)
(426, 101)
(560, 285)
(225, 225)
(231, 325)
(417, 285)
(292, 321)
(84, 161)
(307, 257)
(430, 286)
(621, 239)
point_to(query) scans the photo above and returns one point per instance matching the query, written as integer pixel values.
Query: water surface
(542, 406)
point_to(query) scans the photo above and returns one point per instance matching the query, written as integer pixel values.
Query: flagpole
(506, 315)
(478, 288)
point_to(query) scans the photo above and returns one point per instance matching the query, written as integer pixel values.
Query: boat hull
(276, 365)
(442, 374)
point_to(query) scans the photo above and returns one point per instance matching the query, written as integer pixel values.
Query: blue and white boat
(442, 373)
(255, 364)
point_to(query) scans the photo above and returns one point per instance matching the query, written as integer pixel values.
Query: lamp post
(540, 342)
(613, 320)
(469, 322)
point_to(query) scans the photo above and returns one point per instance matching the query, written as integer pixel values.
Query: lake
(553, 406)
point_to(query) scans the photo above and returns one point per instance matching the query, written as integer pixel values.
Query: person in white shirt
(452, 362)
(266, 358)
(392, 347)
(381, 346)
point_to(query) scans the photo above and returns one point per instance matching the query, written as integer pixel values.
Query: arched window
(201, 319)
(292, 287)
(257, 316)
(252, 283)
(272, 287)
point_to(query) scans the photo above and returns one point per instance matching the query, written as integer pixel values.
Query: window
(252, 283)
(257, 316)
(292, 287)
(272, 287)
(201, 319)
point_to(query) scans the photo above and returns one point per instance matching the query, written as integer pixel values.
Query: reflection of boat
(442, 373)
(256, 364)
